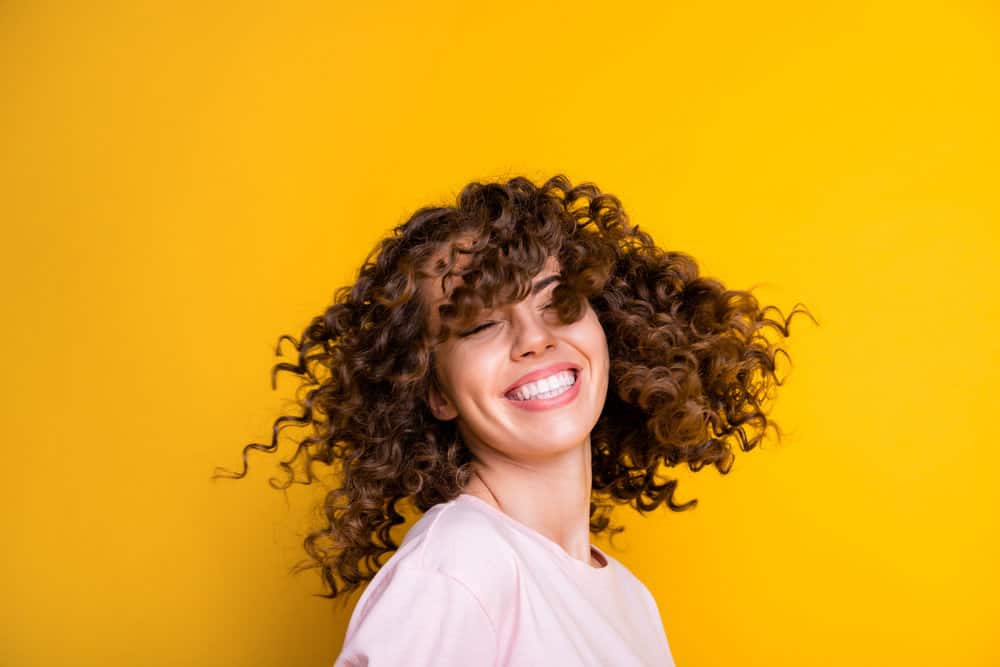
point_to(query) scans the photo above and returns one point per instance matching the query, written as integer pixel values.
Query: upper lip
(540, 373)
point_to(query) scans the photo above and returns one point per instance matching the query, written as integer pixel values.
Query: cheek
(592, 334)
(599, 354)
(474, 370)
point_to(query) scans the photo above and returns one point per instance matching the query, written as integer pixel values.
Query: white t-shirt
(470, 585)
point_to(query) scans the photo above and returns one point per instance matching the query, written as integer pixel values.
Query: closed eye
(550, 291)
(477, 329)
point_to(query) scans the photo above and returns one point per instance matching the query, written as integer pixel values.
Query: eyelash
(481, 327)
(487, 325)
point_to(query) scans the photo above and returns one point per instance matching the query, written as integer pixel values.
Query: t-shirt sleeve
(661, 632)
(419, 617)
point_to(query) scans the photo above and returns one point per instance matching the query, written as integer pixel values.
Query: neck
(551, 497)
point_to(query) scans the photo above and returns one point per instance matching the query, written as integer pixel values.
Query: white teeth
(546, 387)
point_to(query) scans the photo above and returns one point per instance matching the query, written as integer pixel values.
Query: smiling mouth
(552, 386)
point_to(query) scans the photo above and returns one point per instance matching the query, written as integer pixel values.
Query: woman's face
(518, 380)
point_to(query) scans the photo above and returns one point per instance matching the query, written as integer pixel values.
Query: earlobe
(441, 407)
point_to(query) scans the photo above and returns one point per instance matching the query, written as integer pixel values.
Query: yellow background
(181, 184)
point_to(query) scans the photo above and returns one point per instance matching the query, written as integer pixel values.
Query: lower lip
(536, 404)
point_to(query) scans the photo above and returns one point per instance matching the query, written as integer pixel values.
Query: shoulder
(451, 579)
(461, 541)
(421, 618)
(629, 585)
(457, 543)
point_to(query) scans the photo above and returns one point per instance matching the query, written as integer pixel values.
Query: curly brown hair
(691, 366)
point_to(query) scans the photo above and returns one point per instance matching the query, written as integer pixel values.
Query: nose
(533, 336)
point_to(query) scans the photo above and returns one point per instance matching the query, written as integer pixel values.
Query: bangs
(483, 269)
(485, 253)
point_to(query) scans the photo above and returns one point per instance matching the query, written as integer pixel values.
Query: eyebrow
(544, 282)
(535, 288)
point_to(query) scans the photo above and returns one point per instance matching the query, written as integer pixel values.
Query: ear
(440, 405)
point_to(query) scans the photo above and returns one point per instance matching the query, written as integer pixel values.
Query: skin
(535, 466)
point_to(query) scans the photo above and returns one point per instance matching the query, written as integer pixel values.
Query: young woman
(514, 366)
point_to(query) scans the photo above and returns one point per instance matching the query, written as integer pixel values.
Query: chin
(554, 442)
